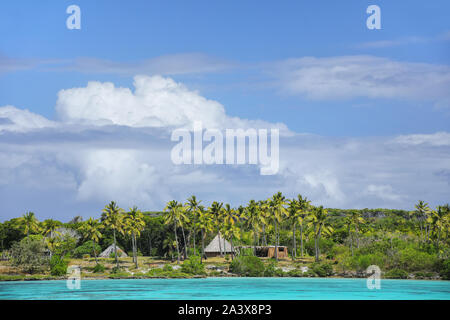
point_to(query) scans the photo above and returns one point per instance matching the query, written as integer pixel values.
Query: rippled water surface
(227, 288)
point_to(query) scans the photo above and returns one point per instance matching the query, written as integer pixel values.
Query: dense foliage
(402, 243)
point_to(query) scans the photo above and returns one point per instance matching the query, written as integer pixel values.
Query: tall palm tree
(303, 207)
(204, 224)
(217, 212)
(252, 219)
(422, 212)
(173, 213)
(318, 222)
(231, 231)
(263, 215)
(135, 223)
(293, 216)
(91, 230)
(30, 223)
(114, 221)
(278, 213)
(356, 220)
(193, 209)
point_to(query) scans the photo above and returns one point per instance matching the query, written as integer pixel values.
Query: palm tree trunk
(135, 251)
(176, 240)
(203, 248)
(264, 235)
(220, 245)
(194, 237)
(232, 249)
(93, 249)
(276, 241)
(254, 241)
(185, 246)
(301, 237)
(294, 254)
(115, 249)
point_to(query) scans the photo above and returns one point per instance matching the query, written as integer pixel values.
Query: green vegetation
(330, 242)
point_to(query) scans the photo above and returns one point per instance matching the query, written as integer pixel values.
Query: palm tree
(422, 211)
(30, 223)
(231, 231)
(114, 221)
(135, 223)
(439, 223)
(204, 224)
(50, 226)
(293, 215)
(356, 220)
(193, 210)
(252, 219)
(318, 221)
(91, 230)
(173, 214)
(278, 212)
(263, 214)
(303, 206)
(217, 213)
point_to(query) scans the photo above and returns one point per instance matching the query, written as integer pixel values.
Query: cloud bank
(112, 143)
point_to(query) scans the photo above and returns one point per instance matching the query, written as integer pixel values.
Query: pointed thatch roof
(213, 246)
(110, 249)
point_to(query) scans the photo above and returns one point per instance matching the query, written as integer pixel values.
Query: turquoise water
(227, 288)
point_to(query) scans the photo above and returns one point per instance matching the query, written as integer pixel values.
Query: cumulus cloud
(348, 77)
(14, 119)
(156, 102)
(76, 165)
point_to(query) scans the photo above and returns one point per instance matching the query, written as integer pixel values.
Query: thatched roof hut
(213, 248)
(110, 249)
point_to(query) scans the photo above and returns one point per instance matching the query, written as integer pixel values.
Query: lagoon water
(226, 289)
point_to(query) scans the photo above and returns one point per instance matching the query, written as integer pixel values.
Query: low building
(214, 247)
(110, 250)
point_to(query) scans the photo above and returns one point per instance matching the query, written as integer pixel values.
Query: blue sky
(276, 62)
(245, 34)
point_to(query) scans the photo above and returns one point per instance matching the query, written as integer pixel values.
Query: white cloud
(13, 119)
(384, 192)
(56, 168)
(436, 139)
(350, 77)
(156, 102)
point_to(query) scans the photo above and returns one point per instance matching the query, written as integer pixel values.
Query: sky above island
(85, 114)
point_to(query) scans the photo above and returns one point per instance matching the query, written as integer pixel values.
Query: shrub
(396, 274)
(270, 269)
(58, 266)
(193, 266)
(167, 267)
(248, 266)
(99, 268)
(445, 269)
(86, 249)
(115, 270)
(411, 259)
(29, 254)
(322, 269)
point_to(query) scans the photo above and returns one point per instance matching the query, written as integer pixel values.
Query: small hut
(213, 248)
(110, 249)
